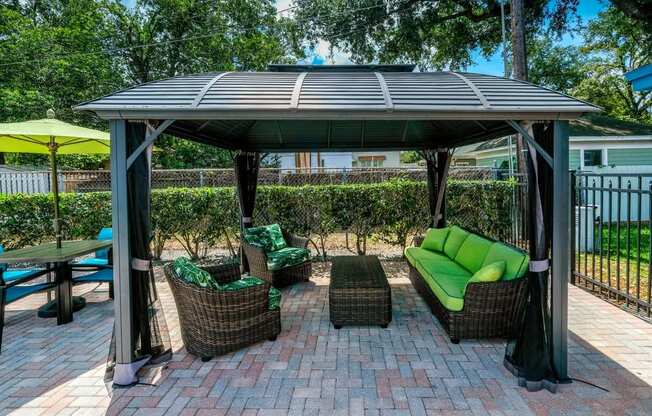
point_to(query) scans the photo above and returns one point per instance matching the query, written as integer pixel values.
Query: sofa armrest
(505, 296)
(294, 240)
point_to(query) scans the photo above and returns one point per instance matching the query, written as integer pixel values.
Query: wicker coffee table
(359, 293)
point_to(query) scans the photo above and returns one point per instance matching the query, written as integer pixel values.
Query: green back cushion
(268, 237)
(191, 273)
(472, 252)
(435, 239)
(516, 262)
(456, 237)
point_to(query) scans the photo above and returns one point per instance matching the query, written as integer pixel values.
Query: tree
(616, 45)
(560, 68)
(434, 34)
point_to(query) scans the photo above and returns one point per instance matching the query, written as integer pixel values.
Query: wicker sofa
(215, 322)
(277, 256)
(446, 268)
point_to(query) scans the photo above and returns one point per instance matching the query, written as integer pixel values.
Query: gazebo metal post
(123, 328)
(431, 183)
(561, 248)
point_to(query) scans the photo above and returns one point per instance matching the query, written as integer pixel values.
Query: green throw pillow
(435, 239)
(191, 273)
(489, 273)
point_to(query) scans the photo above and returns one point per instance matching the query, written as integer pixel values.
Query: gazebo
(334, 108)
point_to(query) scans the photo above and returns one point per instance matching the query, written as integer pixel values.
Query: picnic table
(59, 261)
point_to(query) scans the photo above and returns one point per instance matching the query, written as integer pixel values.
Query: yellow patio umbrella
(52, 136)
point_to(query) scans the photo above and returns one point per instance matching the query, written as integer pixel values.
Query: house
(340, 160)
(597, 142)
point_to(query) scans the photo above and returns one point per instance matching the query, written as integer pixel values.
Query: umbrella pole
(54, 180)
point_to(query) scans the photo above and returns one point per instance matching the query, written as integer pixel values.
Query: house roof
(641, 78)
(590, 125)
(368, 106)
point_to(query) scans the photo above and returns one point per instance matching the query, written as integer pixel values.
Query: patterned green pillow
(191, 273)
(268, 237)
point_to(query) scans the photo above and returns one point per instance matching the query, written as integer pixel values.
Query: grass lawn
(633, 242)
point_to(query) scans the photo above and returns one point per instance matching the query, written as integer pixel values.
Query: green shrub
(200, 218)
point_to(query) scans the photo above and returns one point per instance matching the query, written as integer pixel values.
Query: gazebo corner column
(561, 248)
(124, 370)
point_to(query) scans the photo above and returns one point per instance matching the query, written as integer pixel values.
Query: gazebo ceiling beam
(526, 135)
(151, 136)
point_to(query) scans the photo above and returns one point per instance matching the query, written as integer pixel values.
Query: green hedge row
(199, 218)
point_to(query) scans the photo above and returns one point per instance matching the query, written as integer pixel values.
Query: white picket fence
(33, 182)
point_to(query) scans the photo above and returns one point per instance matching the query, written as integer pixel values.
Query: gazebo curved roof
(377, 107)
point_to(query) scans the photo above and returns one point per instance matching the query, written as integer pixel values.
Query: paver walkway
(408, 369)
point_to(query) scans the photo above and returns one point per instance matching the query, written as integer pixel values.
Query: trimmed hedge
(200, 218)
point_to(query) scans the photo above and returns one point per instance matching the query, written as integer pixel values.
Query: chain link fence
(100, 180)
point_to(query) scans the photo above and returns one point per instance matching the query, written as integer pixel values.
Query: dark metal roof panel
(342, 94)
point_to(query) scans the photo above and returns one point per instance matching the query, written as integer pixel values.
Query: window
(593, 157)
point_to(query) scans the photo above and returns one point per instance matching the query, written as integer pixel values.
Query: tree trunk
(519, 64)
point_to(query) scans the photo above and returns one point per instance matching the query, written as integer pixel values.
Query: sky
(587, 10)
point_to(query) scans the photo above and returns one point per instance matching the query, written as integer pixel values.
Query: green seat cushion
(268, 237)
(472, 252)
(516, 262)
(412, 254)
(445, 266)
(454, 241)
(435, 239)
(191, 273)
(285, 257)
(448, 288)
(274, 294)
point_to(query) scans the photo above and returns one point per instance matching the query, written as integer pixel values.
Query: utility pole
(519, 63)
(507, 74)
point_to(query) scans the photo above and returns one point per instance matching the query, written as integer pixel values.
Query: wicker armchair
(491, 310)
(216, 322)
(257, 260)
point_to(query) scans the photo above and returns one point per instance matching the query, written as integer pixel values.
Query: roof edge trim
(475, 89)
(296, 92)
(389, 104)
(204, 90)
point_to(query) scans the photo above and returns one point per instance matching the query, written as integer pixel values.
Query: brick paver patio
(408, 369)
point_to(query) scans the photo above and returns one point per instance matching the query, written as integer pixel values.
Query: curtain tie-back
(539, 265)
(140, 264)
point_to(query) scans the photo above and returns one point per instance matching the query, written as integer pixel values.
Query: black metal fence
(612, 238)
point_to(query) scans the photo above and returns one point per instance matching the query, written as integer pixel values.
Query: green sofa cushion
(413, 254)
(516, 262)
(454, 241)
(449, 289)
(285, 257)
(472, 252)
(435, 239)
(268, 237)
(191, 273)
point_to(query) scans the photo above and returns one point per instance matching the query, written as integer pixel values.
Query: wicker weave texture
(214, 322)
(359, 293)
(257, 260)
(491, 310)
